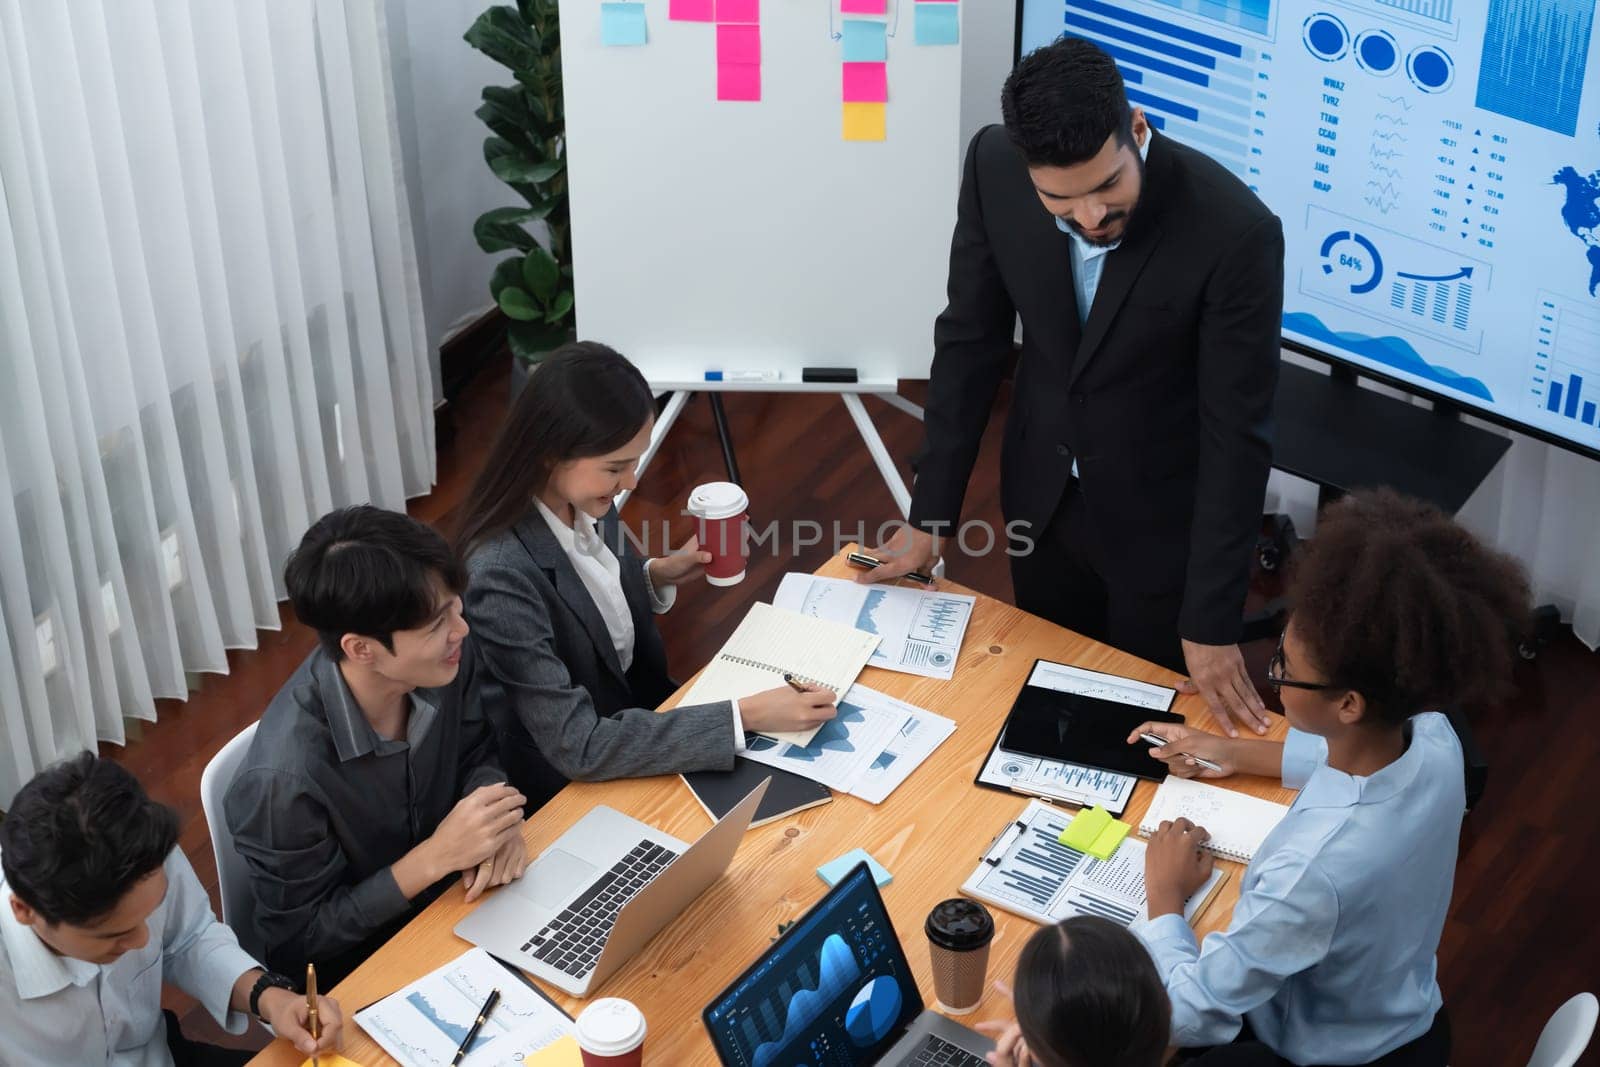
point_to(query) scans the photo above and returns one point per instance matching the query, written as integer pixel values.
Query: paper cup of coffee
(959, 932)
(720, 508)
(610, 1033)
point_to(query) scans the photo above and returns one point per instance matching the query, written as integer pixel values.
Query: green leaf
(518, 305)
(498, 230)
(506, 272)
(540, 274)
(559, 308)
(501, 34)
(513, 166)
(530, 341)
(509, 120)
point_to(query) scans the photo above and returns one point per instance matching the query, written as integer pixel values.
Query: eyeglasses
(1276, 679)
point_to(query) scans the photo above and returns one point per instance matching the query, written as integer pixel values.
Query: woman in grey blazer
(561, 604)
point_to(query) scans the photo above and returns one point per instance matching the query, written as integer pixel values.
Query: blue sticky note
(622, 24)
(834, 870)
(938, 23)
(865, 41)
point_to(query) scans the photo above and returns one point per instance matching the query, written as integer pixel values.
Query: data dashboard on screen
(1436, 165)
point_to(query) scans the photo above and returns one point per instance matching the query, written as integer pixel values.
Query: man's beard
(1116, 216)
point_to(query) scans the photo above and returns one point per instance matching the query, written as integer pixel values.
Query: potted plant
(527, 150)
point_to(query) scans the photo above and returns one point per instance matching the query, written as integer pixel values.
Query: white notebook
(770, 643)
(1237, 822)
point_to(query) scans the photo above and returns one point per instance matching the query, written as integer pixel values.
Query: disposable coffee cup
(610, 1033)
(721, 510)
(959, 932)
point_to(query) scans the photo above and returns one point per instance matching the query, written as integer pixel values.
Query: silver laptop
(837, 988)
(600, 893)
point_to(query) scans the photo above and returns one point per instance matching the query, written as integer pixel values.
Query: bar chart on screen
(1566, 362)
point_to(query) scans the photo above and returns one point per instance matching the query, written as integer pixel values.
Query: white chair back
(233, 877)
(1567, 1033)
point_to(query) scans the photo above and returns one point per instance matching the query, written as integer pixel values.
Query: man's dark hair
(1088, 995)
(363, 570)
(1395, 600)
(79, 836)
(1062, 102)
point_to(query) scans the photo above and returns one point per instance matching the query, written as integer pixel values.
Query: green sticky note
(1095, 832)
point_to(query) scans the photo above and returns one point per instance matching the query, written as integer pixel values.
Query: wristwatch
(268, 980)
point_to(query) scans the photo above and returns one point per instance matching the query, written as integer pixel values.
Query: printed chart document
(1027, 870)
(921, 630)
(423, 1024)
(868, 749)
(772, 642)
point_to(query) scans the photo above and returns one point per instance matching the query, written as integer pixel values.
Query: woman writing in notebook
(561, 603)
(1330, 954)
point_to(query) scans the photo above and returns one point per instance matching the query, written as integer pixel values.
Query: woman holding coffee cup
(561, 603)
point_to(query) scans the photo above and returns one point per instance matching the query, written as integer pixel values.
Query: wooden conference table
(929, 834)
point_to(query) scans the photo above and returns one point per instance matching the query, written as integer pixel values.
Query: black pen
(861, 559)
(472, 1031)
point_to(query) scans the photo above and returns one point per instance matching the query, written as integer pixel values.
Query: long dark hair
(1088, 995)
(585, 399)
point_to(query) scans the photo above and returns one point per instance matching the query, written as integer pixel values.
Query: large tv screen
(1436, 164)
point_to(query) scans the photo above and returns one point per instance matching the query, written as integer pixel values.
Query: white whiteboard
(751, 236)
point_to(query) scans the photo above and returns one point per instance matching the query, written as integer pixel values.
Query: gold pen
(313, 1023)
(796, 686)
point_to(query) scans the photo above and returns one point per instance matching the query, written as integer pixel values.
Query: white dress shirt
(58, 1010)
(601, 573)
(1331, 950)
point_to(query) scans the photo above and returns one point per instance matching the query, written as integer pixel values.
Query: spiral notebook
(1237, 822)
(771, 643)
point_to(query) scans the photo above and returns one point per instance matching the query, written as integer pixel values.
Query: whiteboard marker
(742, 375)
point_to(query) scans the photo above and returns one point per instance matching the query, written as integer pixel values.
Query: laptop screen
(836, 989)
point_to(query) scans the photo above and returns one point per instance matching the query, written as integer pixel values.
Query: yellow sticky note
(865, 122)
(332, 1059)
(1094, 831)
(563, 1053)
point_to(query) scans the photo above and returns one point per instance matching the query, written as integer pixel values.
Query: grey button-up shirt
(322, 807)
(58, 1010)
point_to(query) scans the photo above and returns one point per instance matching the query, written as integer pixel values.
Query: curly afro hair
(1395, 600)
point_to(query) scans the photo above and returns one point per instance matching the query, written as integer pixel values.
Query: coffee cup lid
(610, 1026)
(718, 500)
(959, 924)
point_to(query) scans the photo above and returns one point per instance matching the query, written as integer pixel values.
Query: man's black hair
(1063, 101)
(79, 836)
(363, 570)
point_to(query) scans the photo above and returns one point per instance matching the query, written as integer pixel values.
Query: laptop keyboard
(572, 941)
(937, 1052)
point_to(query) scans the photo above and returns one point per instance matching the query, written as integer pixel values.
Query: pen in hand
(1157, 741)
(796, 686)
(477, 1024)
(313, 1022)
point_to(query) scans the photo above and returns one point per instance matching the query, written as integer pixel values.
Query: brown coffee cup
(959, 933)
(610, 1033)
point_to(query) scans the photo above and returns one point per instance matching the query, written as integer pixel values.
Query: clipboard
(1086, 730)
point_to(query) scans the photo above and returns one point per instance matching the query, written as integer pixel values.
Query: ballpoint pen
(1158, 741)
(477, 1024)
(313, 1022)
(796, 686)
(861, 559)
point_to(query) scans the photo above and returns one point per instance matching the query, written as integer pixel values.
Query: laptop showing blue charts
(836, 990)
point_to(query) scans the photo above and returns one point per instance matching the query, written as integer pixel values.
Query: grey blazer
(552, 684)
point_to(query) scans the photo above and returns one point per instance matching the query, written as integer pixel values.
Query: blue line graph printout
(921, 630)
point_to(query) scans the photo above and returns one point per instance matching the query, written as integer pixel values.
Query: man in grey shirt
(98, 909)
(372, 778)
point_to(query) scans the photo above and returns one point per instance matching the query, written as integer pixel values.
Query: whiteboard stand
(849, 392)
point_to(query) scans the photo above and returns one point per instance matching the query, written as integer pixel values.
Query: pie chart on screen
(871, 1015)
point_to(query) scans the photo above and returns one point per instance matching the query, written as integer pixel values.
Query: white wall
(988, 33)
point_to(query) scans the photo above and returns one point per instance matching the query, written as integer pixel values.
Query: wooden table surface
(929, 834)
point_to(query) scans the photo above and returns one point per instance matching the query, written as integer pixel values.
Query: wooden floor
(1520, 938)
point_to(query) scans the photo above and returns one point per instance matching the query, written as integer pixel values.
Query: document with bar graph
(1028, 871)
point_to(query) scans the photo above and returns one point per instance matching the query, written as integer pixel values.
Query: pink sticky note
(738, 10)
(738, 44)
(738, 81)
(866, 83)
(864, 7)
(690, 10)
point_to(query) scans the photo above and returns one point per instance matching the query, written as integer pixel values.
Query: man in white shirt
(98, 907)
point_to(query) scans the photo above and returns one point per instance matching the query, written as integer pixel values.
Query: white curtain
(1541, 504)
(210, 334)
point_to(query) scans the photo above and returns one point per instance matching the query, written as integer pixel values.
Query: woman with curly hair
(1330, 956)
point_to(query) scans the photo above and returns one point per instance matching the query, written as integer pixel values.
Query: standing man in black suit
(1149, 280)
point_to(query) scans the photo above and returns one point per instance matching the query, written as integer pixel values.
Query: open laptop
(600, 893)
(836, 988)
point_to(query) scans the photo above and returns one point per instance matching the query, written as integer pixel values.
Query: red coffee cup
(721, 509)
(610, 1033)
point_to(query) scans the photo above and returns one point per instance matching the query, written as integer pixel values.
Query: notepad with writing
(1237, 822)
(771, 643)
(719, 792)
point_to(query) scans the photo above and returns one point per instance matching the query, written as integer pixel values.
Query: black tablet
(1081, 729)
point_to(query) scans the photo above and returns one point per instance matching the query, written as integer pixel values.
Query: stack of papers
(920, 630)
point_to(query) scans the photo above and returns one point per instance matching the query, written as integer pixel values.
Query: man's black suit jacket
(1164, 397)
